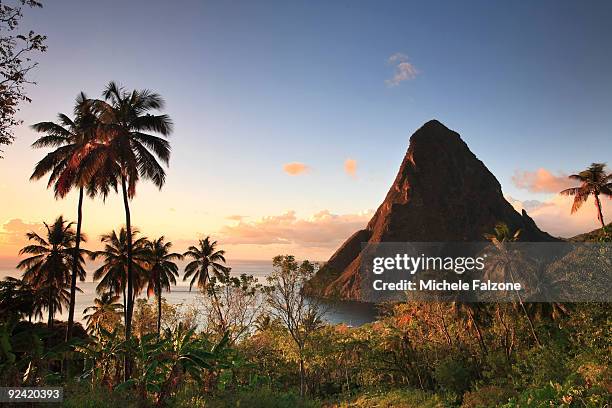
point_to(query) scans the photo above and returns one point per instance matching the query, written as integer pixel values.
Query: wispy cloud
(295, 168)
(404, 70)
(541, 181)
(322, 229)
(350, 167)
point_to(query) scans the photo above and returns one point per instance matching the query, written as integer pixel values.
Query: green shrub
(397, 398)
(82, 396)
(261, 398)
(568, 395)
(539, 366)
(487, 396)
(454, 374)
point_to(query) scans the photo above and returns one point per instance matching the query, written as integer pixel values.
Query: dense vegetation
(414, 355)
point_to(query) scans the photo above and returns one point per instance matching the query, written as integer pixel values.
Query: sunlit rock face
(442, 193)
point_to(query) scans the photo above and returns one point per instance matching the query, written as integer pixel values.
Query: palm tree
(105, 312)
(162, 271)
(127, 123)
(504, 260)
(48, 268)
(73, 141)
(595, 181)
(206, 260)
(16, 299)
(113, 272)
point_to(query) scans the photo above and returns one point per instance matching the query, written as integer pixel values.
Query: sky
(292, 118)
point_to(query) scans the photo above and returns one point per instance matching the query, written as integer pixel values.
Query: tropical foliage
(207, 260)
(104, 314)
(112, 274)
(161, 271)
(594, 181)
(73, 140)
(47, 268)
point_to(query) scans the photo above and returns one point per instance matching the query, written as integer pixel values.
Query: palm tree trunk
(50, 320)
(219, 311)
(130, 277)
(75, 266)
(479, 337)
(124, 306)
(529, 321)
(159, 305)
(599, 212)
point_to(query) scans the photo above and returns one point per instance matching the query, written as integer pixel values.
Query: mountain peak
(442, 193)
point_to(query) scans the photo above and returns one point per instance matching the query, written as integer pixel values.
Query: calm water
(351, 313)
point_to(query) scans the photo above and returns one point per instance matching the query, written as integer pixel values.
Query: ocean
(350, 313)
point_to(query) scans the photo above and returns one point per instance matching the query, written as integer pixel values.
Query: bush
(568, 395)
(539, 366)
(454, 374)
(487, 396)
(82, 396)
(261, 398)
(398, 398)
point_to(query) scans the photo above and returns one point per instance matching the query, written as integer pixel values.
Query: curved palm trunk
(479, 337)
(599, 212)
(529, 321)
(130, 277)
(75, 266)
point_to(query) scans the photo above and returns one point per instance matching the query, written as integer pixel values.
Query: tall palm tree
(73, 141)
(127, 123)
(48, 268)
(595, 181)
(506, 261)
(113, 272)
(162, 271)
(206, 260)
(104, 313)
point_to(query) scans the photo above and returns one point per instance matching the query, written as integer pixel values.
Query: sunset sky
(291, 118)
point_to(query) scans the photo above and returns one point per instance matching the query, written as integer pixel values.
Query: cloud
(541, 181)
(527, 205)
(404, 70)
(235, 217)
(350, 167)
(322, 229)
(295, 168)
(554, 217)
(13, 232)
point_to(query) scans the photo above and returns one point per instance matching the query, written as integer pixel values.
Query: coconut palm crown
(207, 259)
(50, 262)
(596, 182)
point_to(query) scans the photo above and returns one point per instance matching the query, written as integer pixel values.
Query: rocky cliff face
(442, 193)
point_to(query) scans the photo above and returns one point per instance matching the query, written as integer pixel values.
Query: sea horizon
(339, 312)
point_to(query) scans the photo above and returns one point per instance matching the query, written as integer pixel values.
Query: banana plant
(103, 357)
(162, 363)
(25, 356)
